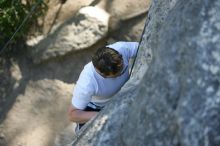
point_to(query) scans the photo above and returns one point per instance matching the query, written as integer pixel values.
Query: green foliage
(13, 12)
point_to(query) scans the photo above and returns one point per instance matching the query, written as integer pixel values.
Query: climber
(100, 80)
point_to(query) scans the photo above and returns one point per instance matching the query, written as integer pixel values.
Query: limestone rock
(174, 100)
(124, 11)
(58, 12)
(80, 32)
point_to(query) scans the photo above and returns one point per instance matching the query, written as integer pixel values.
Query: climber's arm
(82, 95)
(80, 116)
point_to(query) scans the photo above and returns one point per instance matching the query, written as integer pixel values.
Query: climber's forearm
(79, 116)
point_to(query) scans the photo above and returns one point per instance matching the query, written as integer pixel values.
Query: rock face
(59, 12)
(78, 25)
(81, 32)
(175, 99)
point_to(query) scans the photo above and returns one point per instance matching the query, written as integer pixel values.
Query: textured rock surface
(58, 12)
(177, 100)
(126, 20)
(80, 32)
(120, 9)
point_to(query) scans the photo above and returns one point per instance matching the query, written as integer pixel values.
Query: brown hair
(107, 61)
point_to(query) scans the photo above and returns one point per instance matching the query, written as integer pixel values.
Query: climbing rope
(137, 50)
(21, 25)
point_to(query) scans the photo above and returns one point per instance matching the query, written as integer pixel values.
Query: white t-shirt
(92, 87)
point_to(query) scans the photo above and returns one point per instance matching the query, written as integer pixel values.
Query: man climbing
(100, 80)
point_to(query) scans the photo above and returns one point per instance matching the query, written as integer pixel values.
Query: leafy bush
(13, 12)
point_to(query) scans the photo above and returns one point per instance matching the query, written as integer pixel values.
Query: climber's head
(108, 62)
